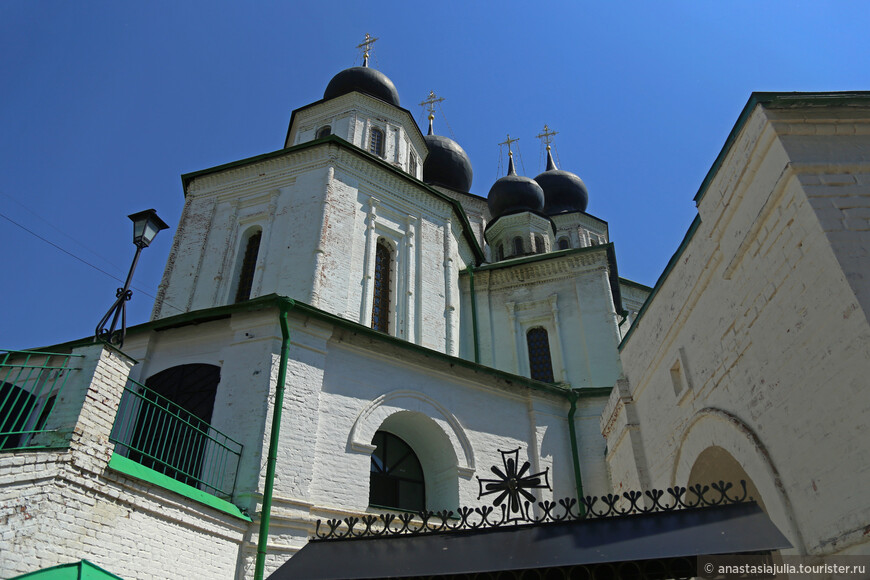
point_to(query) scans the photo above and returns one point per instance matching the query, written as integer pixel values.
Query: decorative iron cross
(512, 485)
(366, 45)
(508, 142)
(546, 135)
(429, 103)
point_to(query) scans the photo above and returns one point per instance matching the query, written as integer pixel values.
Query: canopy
(655, 539)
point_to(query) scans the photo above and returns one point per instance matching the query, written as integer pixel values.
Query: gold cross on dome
(508, 142)
(429, 103)
(366, 45)
(547, 136)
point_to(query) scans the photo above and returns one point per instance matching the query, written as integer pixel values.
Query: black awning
(662, 536)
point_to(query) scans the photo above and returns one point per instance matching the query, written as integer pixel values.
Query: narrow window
(499, 254)
(396, 475)
(381, 301)
(539, 244)
(540, 364)
(249, 264)
(518, 246)
(376, 142)
(324, 131)
(563, 244)
(593, 240)
(412, 165)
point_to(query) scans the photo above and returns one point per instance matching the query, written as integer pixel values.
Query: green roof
(81, 570)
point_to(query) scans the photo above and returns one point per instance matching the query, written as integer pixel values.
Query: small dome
(447, 163)
(563, 191)
(513, 194)
(364, 80)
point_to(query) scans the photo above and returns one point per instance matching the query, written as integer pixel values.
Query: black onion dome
(447, 163)
(563, 191)
(513, 194)
(365, 80)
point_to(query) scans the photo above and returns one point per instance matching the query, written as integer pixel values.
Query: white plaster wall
(768, 328)
(569, 296)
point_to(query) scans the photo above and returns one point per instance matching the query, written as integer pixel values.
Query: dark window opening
(376, 142)
(396, 475)
(563, 244)
(518, 246)
(539, 244)
(540, 364)
(324, 131)
(16, 406)
(249, 265)
(171, 440)
(381, 301)
(499, 254)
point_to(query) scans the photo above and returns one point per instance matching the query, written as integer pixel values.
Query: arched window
(396, 475)
(249, 264)
(499, 254)
(376, 142)
(381, 300)
(324, 131)
(540, 363)
(16, 406)
(564, 244)
(412, 165)
(171, 428)
(539, 244)
(518, 246)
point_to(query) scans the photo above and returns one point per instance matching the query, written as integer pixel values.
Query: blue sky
(103, 105)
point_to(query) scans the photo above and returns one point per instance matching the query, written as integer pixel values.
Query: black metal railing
(163, 436)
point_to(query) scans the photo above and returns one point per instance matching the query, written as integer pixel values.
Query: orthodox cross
(366, 45)
(547, 136)
(508, 142)
(429, 103)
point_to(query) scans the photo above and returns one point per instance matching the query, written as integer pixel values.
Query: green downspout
(473, 315)
(578, 477)
(266, 512)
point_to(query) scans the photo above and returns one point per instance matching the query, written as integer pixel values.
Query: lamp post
(146, 225)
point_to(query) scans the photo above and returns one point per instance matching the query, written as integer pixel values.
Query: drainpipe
(578, 477)
(266, 511)
(473, 314)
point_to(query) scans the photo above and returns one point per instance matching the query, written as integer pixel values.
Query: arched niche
(716, 435)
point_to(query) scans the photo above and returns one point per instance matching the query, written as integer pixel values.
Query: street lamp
(146, 225)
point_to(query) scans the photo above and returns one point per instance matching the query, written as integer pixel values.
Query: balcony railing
(163, 436)
(30, 385)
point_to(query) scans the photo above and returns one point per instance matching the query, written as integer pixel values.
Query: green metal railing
(30, 385)
(163, 436)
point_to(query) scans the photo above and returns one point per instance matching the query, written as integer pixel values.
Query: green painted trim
(575, 452)
(670, 266)
(275, 301)
(129, 467)
(778, 100)
(335, 140)
(81, 570)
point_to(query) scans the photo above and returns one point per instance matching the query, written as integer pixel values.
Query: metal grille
(249, 264)
(381, 302)
(30, 383)
(161, 435)
(540, 364)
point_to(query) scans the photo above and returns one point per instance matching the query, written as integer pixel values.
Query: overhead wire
(82, 260)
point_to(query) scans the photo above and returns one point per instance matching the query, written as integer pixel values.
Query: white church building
(361, 334)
